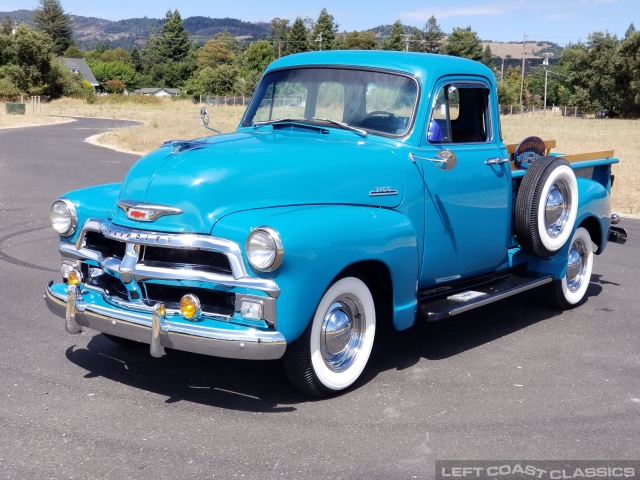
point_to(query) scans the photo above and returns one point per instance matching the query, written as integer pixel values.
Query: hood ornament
(146, 212)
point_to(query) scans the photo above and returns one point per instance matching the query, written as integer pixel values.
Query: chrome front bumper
(217, 338)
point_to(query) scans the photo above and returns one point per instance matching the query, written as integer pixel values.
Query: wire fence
(571, 112)
(223, 100)
(563, 111)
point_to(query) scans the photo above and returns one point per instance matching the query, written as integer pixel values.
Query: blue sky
(560, 21)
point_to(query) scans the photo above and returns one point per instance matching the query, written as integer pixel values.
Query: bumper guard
(225, 340)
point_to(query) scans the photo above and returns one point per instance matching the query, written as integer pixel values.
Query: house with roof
(80, 66)
(158, 92)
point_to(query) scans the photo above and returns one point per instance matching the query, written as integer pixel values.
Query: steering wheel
(381, 114)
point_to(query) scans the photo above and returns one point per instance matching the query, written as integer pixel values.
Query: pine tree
(151, 52)
(6, 27)
(416, 40)
(630, 31)
(297, 38)
(396, 38)
(433, 36)
(136, 59)
(323, 36)
(464, 42)
(174, 39)
(51, 19)
(487, 57)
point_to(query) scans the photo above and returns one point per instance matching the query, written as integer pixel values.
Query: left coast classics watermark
(536, 469)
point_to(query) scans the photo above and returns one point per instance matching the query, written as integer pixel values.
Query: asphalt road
(514, 380)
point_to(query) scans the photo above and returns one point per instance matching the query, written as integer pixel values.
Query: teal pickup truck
(359, 189)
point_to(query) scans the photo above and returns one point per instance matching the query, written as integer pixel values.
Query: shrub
(115, 86)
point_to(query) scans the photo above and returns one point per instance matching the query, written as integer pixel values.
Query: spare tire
(546, 206)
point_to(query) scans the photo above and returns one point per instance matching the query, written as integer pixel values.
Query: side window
(460, 114)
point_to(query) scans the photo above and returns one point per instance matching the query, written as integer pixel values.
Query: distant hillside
(88, 31)
(506, 50)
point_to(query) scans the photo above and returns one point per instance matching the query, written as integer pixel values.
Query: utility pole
(545, 62)
(524, 53)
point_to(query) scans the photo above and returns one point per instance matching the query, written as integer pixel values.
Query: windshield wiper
(343, 125)
(271, 122)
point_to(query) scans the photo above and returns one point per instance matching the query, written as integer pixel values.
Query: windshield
(378, 102)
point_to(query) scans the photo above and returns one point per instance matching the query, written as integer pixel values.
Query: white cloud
(483, 9)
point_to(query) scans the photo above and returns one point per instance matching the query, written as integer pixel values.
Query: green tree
(52, 19)
(360, 41)
(464, 42)
(213, 53)
(101, 47)
(433, 36)
(280, 30)
(6, 26)
(151, 54)
(297, 39)
(136, 59)
(509, 87)
(257, 57)
(73, 52)
(396, 38)
(487, 57)
(117, 55)
(630, 31)
(25, 60)
(323, 35)
(229, 40)
(416, 40)
(174, 39)
(597, 74)
(105, 71)
(630, 56)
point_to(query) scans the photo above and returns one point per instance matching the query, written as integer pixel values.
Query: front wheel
(570, 290)
(334, 349)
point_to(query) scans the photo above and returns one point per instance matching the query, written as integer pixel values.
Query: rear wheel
(334, 349)
(570, 290)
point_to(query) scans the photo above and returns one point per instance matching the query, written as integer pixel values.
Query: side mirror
(448, 160)
(204, 117)
(204, 120)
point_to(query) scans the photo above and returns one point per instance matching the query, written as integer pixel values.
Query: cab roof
(422, 65)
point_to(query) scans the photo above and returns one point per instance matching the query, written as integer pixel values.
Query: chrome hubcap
(576, 266)
(557, 209)
(342, 333)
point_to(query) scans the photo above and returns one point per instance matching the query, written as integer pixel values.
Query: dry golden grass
(166, 119)
(163, 119)
(578, 135)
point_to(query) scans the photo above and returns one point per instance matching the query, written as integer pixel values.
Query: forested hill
(88, 31)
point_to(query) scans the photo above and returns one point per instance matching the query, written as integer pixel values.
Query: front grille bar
(139, 271)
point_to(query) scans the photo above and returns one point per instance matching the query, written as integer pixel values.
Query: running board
(433, 309)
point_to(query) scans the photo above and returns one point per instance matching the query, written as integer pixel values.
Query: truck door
(467, 207)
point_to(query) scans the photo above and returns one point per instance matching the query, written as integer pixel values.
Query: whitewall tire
(334, 349)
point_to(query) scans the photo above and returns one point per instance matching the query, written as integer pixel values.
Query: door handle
(495, 161)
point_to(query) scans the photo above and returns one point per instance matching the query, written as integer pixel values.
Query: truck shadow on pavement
(262, 386)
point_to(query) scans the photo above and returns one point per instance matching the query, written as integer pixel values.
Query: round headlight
(63, 217)
(264, 249)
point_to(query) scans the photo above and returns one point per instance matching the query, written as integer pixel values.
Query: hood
(212, 177)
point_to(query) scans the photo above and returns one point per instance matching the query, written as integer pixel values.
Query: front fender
(320, 242)
(92, 202)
